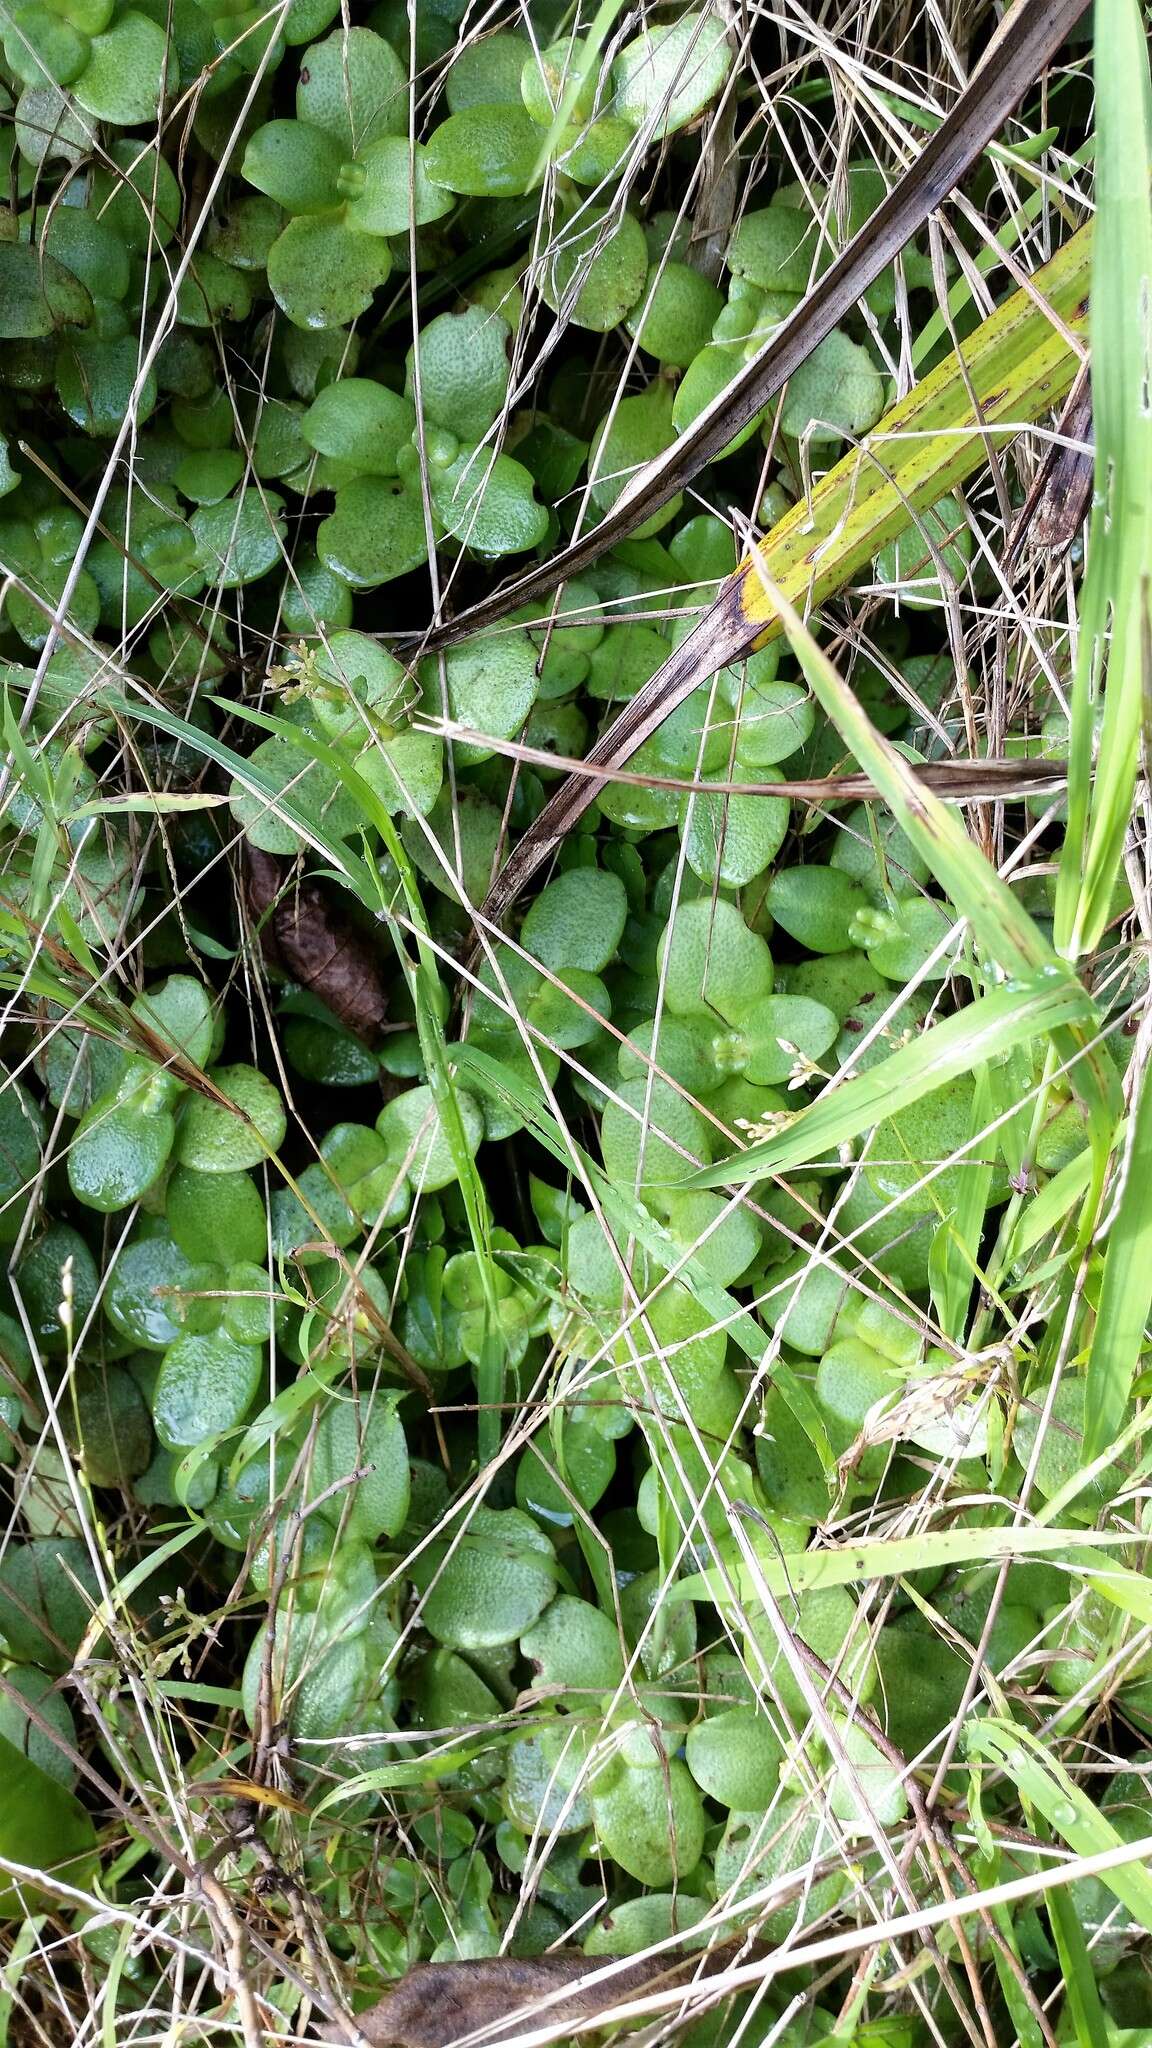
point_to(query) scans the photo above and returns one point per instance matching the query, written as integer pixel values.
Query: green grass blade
(1115, 605)
(1013, 368)
(1041, 1780)
(989, 1027)
(1084, 2006)
(892, 1558)
(1126, 1293)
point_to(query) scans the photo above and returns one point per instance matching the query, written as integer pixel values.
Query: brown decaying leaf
(1058, 502)
(305, 930)
(439, 2003)
(1025, 43)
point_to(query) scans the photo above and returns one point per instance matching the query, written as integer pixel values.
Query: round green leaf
(33, 1741)
(360, 423)
(650, 1822)
(152, 1289)
(241, 539)
(412, 1129)
(575, 1646)
(463, 370)
(110, 1425)
(216, 1216)
(354, 87)
(41, 49)
(37, 294)
(48, 1592)
(206, 1385)
(629, 1140)
(119, 1149)
(179, 1014)
(597, 270)
(909, 563)
(388, 188)
(375, 533)
(731, 839)
(673, 319)
(295, 164)
(815, 906)
(493, 1584)
(488, 501)
(714, 965)
(127, 72)
(773, 249)
(488, 152)
(44, 1826)
(782, 1032)
(837, 391)
(735, 1758)
(635, 432)
(492, 682)
(668, 75)
(226, 1137)
(322, 272)
(577, 921)
(545, 1788)
(21, 1136)
(487, 72)
(368, 1437)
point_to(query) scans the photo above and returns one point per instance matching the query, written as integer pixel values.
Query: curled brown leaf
(306, 930)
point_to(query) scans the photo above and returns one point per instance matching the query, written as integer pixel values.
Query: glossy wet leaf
(155, 1289)
(37, 294)
(359, 422)
(215, 1216)
(40, 1276)
(323, 272)
(667, 75)
(354, 88)
(120, 1148)
(44, 1826)
(240, 1131)
(487, 151)
(364, 1436)
(496, 1582)
(206, 1385)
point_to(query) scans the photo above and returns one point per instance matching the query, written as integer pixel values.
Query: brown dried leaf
(439, 2003)
(306, 930)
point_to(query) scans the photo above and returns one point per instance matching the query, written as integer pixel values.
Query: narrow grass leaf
(989, 1027)
(1116, 610)
(1045, 1784)
(891, 1558)
(1012, 369)
(1027, 39)
(1126, 1292)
